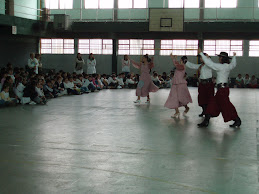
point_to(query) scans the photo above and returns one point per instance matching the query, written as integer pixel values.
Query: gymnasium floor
(103, 143)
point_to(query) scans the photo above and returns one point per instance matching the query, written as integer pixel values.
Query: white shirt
(246, 81)
(111, 80)
(130, 81)
(31, 63)
(69, 85)
(206, 72)
(91, 66)
(13, 78)
(37, 64)
(120, 81)
(222, 70)
(39, 91)
(125, 65)
(19, 90)
(86, 83)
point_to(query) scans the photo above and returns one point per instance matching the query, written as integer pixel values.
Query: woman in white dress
(91, 64)
(79, 64)
(126, 65)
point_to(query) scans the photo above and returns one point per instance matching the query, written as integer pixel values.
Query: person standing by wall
(91, 64)
(79, 64)
(126, 65)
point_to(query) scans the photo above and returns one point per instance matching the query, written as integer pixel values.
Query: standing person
(206, 86)
(91, 64)
(126, 65)
(221, 103)
(38, 61)
(145, 84)
(31, 63)
(179, 94)
(79, 64)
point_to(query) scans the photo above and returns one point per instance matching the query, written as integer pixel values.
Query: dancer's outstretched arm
(135, 64)
(177, 65)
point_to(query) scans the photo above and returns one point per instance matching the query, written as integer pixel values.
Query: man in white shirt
(206, 86)
(33, 64)
(221, 103)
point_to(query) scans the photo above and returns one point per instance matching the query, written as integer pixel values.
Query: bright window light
(125, 4)
(254, 48)
(57, 46)
(136, 47)
(183, 3)
(220, 3)
(179, 47)
(96, 46)
(99, 4)
(91, 4)
(214, 47)
(140, 4)
(128, 4)
(59, 4)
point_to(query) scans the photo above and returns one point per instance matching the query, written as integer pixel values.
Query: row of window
(109, 4)
(141, 47)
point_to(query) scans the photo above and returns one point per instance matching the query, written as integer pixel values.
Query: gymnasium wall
(163, 63)
(16, 49)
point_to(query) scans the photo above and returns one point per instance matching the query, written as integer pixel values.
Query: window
(127, 4)
(57, 46)
(214, 47)
(254, 48)
(220, 3)
(183, 3)
(96, 46)
(59, 4)
(179, 47)
(136, 47)
(99, 4)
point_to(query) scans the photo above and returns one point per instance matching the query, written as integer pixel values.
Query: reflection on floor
(103, 143)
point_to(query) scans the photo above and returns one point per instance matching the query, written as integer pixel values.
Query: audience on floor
(32, 86)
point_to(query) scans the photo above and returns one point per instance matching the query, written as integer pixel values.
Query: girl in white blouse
(91, 64)
(126, 65)
(18, 90)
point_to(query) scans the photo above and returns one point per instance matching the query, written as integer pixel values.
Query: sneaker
(119, 87)
(32, 103)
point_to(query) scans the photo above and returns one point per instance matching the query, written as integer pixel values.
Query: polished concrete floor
(103, 143)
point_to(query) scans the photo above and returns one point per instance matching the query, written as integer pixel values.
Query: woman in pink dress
(179, 94)
(145, 84)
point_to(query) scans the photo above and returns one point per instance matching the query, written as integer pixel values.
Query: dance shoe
(237, 123)
(176, 115)
(205, 122)
(137, 101)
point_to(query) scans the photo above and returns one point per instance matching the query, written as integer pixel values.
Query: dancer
(145, 84)
(220, 103)
(179, 94)
(206, 86)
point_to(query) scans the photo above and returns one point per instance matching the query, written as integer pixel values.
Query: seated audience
(253, 82)
(246, 81)
(239, 81)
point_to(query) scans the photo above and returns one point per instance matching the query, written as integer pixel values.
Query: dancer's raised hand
(234, 53)
(199, 50)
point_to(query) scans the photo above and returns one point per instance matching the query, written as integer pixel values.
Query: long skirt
(179, 96)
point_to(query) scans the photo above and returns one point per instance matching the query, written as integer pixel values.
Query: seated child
(88, 83)
(5, 98)
(19, 91)
(113, 82)
(40, 98)
(70, 86)
(130, 82)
